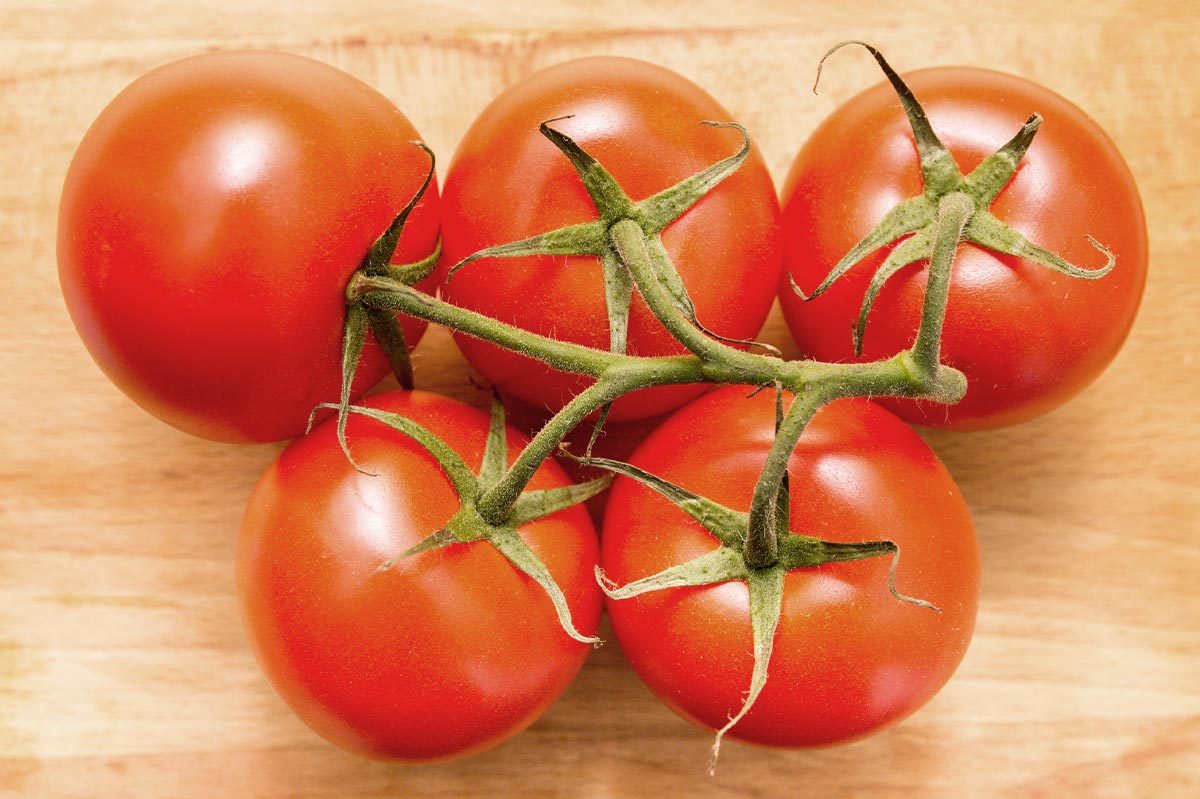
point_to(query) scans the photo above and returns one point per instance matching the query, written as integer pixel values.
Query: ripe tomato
(449, 651)
(849, 657)
(210, 220)
(507, 182)
(1027, 338)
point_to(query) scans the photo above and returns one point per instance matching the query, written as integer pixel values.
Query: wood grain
(123, 671)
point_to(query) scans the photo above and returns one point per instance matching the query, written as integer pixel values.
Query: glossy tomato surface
(209, 222)
(849, 657)
(1027, 338)
(508, 182)
(448, 652)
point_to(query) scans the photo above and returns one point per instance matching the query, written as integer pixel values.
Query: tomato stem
(381, 292)
(762, 537)
(630, 242)
(954, 212)
(496, 504)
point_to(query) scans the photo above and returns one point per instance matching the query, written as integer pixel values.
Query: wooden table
(123, 670)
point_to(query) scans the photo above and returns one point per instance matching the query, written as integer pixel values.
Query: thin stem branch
(630, 242)
(494, 505)
(762, 546)
(953, 214)
(379, 292)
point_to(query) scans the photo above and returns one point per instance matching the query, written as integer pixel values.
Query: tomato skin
(1027, 338)
(849, 658)
(209, 222)
(449, 652)
(508, 182)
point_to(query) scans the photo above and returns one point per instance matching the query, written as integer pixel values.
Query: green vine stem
(761, 549)
(756, 547)
(621, 373)
(494, 506)
(954, 212)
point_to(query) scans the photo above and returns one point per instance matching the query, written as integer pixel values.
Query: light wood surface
(123, 670)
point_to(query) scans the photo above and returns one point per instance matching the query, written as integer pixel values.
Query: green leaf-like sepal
(766, 603)
(985, 182)
(587, 238)
(938, 168)
(597, 429)
(441, 538)
(987, 231)
(495, 450)
(667, 276)
(381, 252)
(513, 547)
(718, 566)
(783, 497)
(805, 551)
(413, 273)
(460, 475)
(533, 505)
(912, 214)
(725, 524)
(354, 338)
(657, 212)
(390, 335)
(609, 198)
(914, 248)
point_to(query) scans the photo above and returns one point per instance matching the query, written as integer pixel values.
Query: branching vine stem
(758, 547)
(954, 212)
(494, 506)
(907, 374)
(761, 549)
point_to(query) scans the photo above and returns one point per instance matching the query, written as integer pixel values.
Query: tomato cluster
(218, 208)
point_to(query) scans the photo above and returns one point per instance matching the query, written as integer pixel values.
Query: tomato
(849, 658)
(508, 182)
(447, 652)
(1027, 338)
(209, 222)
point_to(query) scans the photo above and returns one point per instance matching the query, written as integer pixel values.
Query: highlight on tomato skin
(1027, 338)
(445, 653)
(506, 182)
(849, 658)
(209, 222)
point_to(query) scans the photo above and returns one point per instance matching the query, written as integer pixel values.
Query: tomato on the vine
(507, 182)
(209, 223)
(849, 657)
(1028, 338)
(446, 652)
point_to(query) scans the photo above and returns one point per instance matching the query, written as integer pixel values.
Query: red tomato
(507, 182)
(1026, 337)
(210, 220)
(448, 652)
(849, 657)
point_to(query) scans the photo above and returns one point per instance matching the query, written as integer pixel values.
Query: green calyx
(650, 217)
(643, 222)
(729, 561)
(468, 526)
(382, 322)
(918, 216)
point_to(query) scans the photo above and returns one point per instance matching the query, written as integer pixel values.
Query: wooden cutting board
(123, 670)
